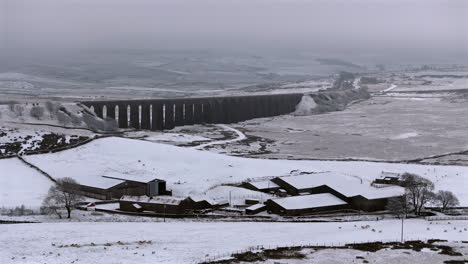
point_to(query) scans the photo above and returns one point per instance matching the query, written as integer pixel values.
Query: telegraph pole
(402, 223)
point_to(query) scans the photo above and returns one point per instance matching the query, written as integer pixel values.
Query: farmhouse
(358, 194)
(306, 204)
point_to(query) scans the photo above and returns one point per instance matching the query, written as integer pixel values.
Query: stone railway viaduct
(165, 114)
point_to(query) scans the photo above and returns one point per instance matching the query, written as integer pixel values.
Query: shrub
(37, 112)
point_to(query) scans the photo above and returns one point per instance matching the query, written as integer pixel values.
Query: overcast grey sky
(429, 25)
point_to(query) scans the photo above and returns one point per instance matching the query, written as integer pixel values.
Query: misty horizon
(422, 29)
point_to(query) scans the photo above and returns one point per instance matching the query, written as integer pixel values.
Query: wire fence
(258, 248)
(445, 218)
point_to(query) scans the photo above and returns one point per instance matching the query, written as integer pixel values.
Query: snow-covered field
(436, 84)
(192, 242)
(192, 172)
(21, 185)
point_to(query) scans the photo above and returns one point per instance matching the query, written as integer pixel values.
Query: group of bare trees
(419, 192)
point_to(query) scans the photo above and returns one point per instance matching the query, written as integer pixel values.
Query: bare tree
(63, 195)
(446, 199)
(399, 206)
(419, 191)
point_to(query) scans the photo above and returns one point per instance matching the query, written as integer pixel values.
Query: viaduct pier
(165, 114)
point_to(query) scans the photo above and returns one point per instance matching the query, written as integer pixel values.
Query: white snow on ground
(190, 171)
(15, 85)
(437, 84)
(357, 83)
(406, 135)
(393, 86)
(21, 185)
(14, 76)
(175, 137)
(305, 106)
(240, 136)
(192, 242)
(308, 84)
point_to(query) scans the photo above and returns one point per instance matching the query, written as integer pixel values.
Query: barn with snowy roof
(306, 204)
(115, 186)
(168, 205)
(358, 194)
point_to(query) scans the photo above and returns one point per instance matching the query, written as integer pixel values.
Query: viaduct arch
(165, 114)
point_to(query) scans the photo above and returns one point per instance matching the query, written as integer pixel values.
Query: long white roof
(260, 185)
(347, 185)
(170, 200)
(309, 201)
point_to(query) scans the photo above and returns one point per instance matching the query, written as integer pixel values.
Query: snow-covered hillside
(190, 171)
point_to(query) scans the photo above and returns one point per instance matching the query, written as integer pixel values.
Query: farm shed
(255, 209)
(359, 194)
(305, 204)
(371, 202)
(262, 186)
(114, 188)
(203, 202)
(159, 204)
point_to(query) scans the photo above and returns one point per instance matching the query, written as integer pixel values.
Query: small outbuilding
(255, 209)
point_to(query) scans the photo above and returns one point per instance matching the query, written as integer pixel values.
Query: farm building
(255, 209)
(166, 204)
(389, 178)
(160, 204)
(306, 204)
(358, 194)
(203, 202)
(114, 188)
(262, 186)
